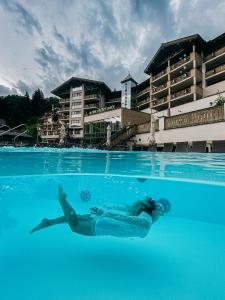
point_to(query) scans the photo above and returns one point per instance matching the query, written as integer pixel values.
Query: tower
(128, 93)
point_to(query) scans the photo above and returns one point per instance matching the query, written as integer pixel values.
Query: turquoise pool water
(183, 257)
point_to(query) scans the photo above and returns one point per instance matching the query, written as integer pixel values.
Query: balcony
(212, 56)
(215, 71)
(91, 106)
(91, 97)
(180, 78)
(159, 88)
(160, 74)
(144, 102)
(143, 92)
(115, 100)
(157, 102)
(181, 94)
(180, 63)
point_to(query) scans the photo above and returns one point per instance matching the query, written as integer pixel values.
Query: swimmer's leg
(47, 223)
(69, 212)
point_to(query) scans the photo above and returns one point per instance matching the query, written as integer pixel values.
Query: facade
(78, 97)
(128, 99)
(185, 78)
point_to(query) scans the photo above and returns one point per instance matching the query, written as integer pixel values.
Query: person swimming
(119, 221)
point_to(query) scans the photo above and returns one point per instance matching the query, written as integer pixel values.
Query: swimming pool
(183, 257)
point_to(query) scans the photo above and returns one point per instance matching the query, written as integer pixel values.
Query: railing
(123, 135)
(180, 62)
(215, 71)
(180, 78)
(163, 72)
(11, 129)
(146, 90)
(91, 106)
(143, 102)
(215, 54)
(113, 100)
(200, 117)
(156, 89)
(181, 93)
(159, 101)
(144, 128)
(93, 96)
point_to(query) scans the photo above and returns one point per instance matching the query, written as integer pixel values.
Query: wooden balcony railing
(180, 62)
(215, 71)
(156, 89)
(199, 117)
(91, 106)
(180, 78)
(146, 90)
(93, 96)
(143, 101)
(113, 100)
(215, 54)
(181, 93)
(163, 72)
(159, 101)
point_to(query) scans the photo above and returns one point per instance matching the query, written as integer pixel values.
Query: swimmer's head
(163, 206)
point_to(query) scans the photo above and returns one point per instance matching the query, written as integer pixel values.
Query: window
(76, 122)
(76, 113)
(76, 105)
(77, 95)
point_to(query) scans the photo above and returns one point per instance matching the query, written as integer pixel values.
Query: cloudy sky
(44, 42)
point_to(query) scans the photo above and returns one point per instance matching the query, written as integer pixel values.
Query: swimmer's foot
(44, 223)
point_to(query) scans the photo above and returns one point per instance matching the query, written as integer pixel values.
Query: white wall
(214, 88)
(208, 132)
(126, 102)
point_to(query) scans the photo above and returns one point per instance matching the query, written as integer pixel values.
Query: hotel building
(174, 108)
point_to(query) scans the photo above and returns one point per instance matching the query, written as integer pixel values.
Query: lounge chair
(168, 147)
(199, 146)
(182, 147)
(218, 146)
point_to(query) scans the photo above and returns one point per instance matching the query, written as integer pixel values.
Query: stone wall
(131, 117)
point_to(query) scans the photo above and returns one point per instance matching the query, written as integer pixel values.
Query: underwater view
(182, 256)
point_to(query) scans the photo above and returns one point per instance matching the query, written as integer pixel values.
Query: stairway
(120, 137)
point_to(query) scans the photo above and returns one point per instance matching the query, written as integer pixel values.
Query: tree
(38, 103)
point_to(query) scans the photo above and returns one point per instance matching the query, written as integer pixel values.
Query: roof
(128, 78)
(77, 80)
(169, 48)
(217, 41)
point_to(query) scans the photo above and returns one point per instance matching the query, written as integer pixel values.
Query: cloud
(5, 91)
(25, 19)
(98, 39)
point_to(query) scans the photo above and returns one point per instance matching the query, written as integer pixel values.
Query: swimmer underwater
(120, 221)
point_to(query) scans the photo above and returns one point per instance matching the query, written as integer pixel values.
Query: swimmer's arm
(100, 211)
(139, 221)
(116, 207)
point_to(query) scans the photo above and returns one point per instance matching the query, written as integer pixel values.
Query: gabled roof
(78, 80)
(169, 48)
(128, 78)
(217, 41)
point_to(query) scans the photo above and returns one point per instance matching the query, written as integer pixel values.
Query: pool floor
(180, 259)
